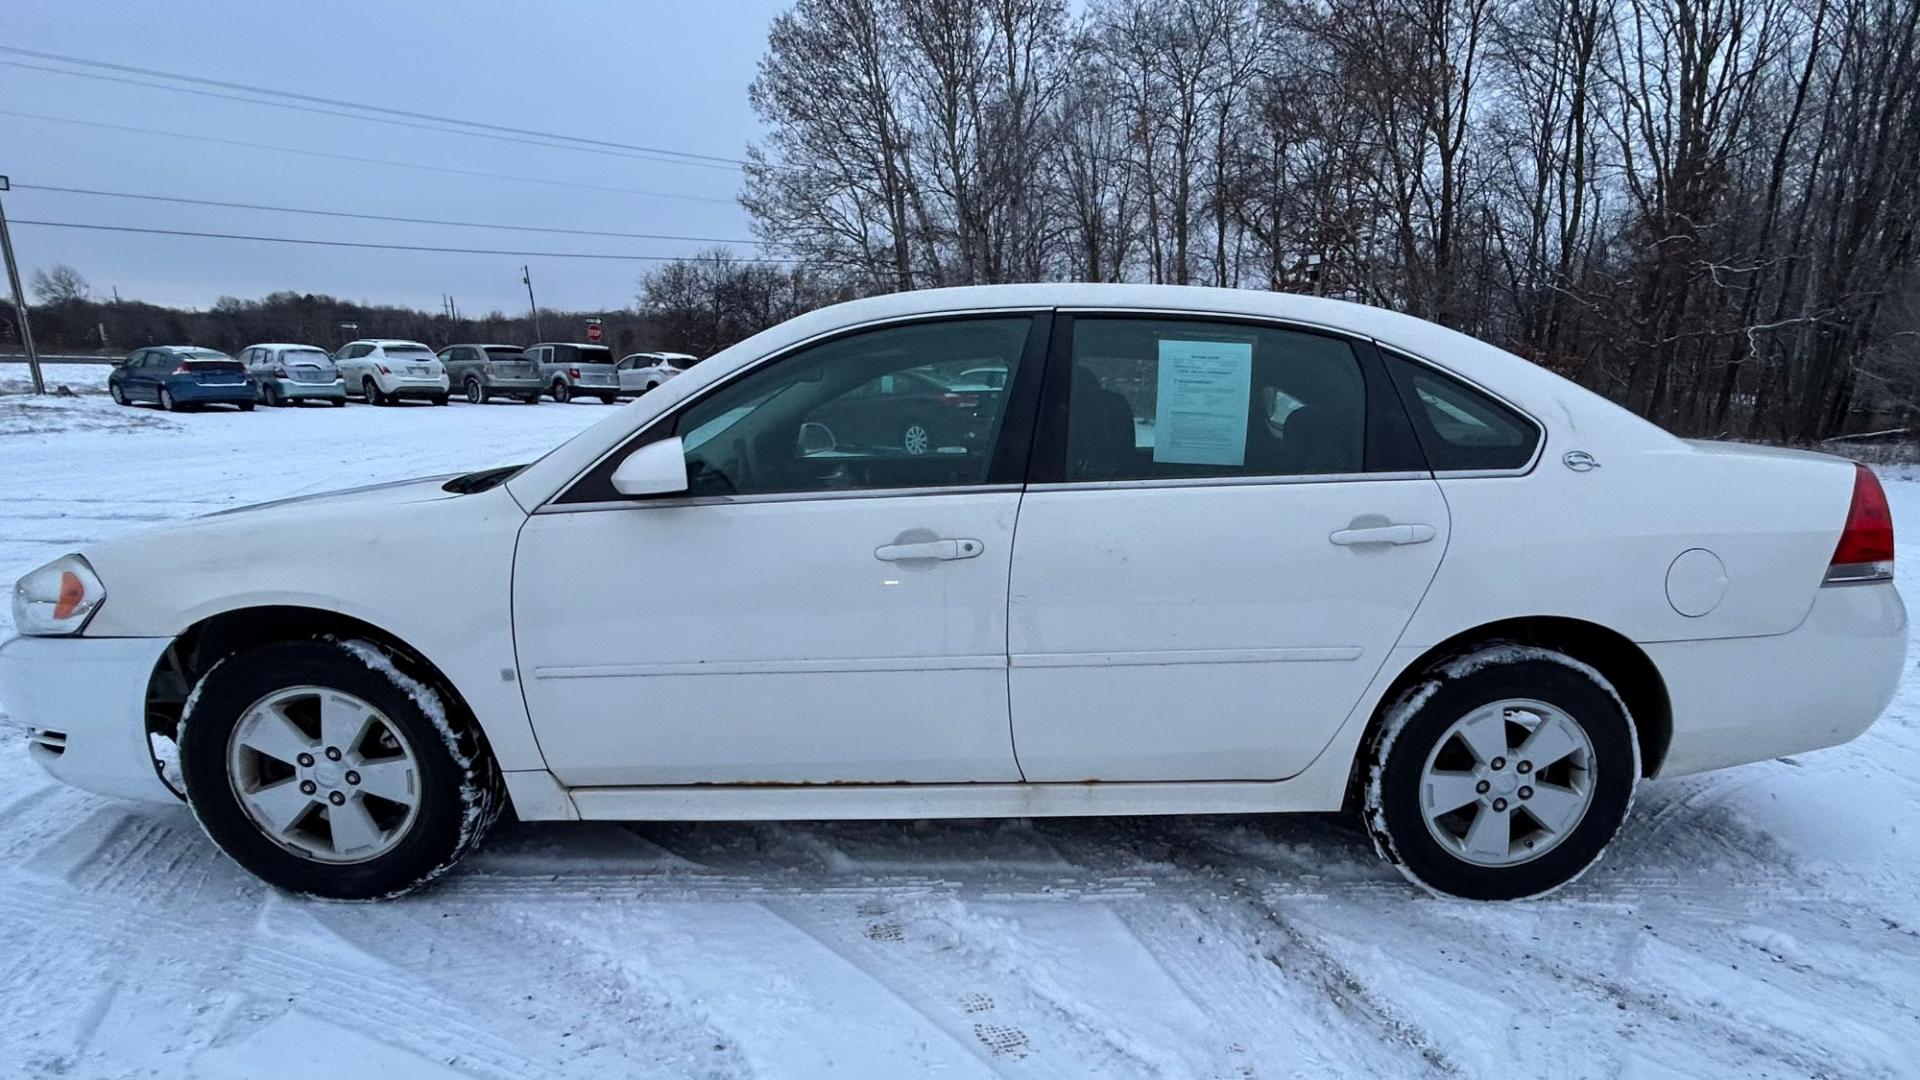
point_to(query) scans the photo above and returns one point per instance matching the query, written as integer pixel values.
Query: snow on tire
(326, 770)
(1501, 774)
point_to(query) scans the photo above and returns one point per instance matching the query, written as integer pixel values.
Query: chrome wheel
(1507, 782)
(916, 439)
(324, 774)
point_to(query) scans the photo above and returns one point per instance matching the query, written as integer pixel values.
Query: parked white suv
(642, 372)
(1209, 550)
(385, 371)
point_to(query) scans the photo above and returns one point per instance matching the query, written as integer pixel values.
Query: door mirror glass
(658, 468)
(816, 439)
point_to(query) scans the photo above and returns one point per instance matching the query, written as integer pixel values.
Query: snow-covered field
(1758, 922)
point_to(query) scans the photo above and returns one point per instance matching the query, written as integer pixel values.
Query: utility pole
(527, 276)
(19, 296)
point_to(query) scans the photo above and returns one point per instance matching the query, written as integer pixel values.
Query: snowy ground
(1757, 922)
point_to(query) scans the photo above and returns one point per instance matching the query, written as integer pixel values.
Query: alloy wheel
(1506, 783)
(324, 774)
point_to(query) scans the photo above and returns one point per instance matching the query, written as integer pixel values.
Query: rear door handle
(929, 549)
(1384, 534)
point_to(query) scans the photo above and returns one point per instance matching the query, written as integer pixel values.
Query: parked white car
(1273, 553)
(385, 372)
(644, 372)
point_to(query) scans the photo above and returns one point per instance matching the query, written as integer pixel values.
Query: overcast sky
(664, 73)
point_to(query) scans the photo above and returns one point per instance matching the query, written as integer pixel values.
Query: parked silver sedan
(482, 371)
(290, 374)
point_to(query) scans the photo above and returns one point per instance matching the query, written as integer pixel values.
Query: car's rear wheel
(531, 399)
(1501, 774)
(441, 399)
(609, 399)
(476, 393)
(562, 393)
(325, 770)
(371, 390)
(270, 395)
(167, 402)
(246, 406)
(915, 438)
(340, 402)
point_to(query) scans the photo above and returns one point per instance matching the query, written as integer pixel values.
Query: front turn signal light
(58, 598)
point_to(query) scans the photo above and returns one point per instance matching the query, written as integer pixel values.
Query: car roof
(580, 344)
(280, 345)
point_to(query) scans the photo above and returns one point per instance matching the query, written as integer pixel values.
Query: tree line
(1704, 209)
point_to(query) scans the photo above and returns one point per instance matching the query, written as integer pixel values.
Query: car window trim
(1032, 362)
(1382, 405)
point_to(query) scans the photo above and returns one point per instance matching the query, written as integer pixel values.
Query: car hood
(419, 489)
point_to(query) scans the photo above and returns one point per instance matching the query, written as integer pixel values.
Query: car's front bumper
(83, 703)
(1737, 700)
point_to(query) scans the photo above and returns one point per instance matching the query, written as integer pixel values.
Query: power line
(384, 247)
(654, 156)
(151, 73)
(380, 217)
(362, 160)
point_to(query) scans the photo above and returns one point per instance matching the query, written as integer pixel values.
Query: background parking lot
(1757, 922)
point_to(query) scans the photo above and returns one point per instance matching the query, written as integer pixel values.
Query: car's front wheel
(118, 395)
(1501, 774)
(325, 770)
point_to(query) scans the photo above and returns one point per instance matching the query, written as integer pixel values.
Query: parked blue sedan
(176, 377)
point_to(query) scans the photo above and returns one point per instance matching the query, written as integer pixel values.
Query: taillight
(573, 373)
(183, 369)
(1865, 551)
(961, 401)
(384, 369)
(280, 373)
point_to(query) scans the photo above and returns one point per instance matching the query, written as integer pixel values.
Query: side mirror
(658, 468)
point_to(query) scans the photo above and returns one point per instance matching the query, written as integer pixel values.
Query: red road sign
(593, 332)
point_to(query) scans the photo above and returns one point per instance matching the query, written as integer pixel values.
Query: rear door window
(1157, 399)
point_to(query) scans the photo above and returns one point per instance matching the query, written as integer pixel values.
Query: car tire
(1462, 732)
(531, 399)
(246, 406)
(562, 392)
(401, 731)
(167, 403)
(476, 393)
(913, 434)
(270, 396)
(371, 390)
(442, 399)
(609, 399)
(118, 395)
(339, 402)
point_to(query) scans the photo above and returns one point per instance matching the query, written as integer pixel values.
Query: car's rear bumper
(426, 389)
(83, 703)
(527, 385)
(188, 391)
(1737, 700)
(290, 389)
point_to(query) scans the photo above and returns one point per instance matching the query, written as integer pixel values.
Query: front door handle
(929, 549)
(1384, 534)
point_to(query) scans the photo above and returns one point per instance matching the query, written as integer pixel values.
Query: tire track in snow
(367, 1001)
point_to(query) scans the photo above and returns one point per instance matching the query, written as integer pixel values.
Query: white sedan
(1205, 551)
